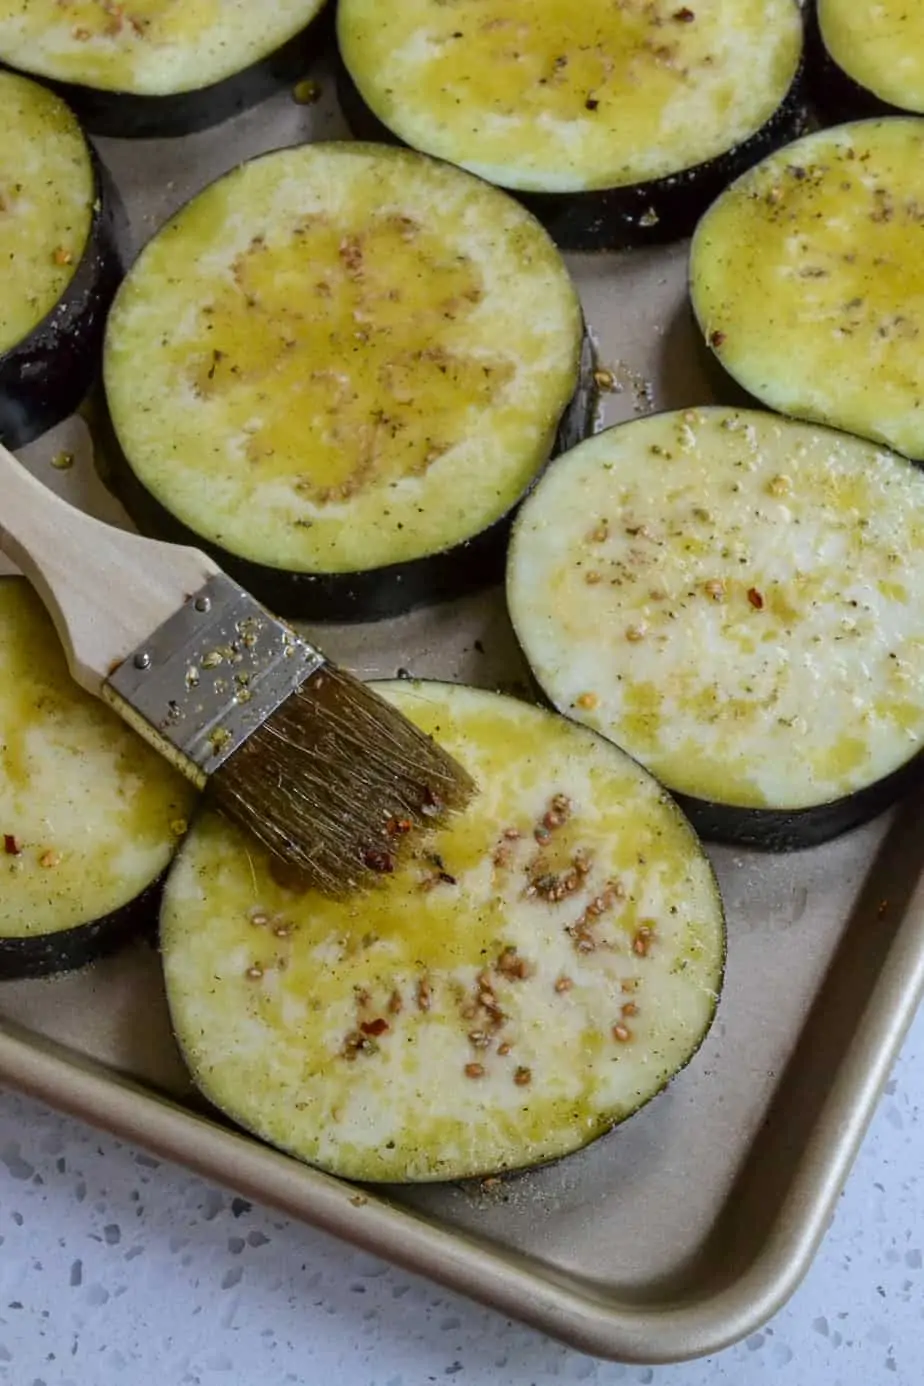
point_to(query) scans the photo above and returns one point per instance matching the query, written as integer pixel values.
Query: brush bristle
(335, 782)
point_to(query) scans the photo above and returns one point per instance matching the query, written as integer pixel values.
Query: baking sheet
(686, 1228)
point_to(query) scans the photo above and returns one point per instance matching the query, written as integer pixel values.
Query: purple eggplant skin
(373, 594)
(836, 97)
(47, 955)
(128, 115)
(795, 830)
(779, 830)
(48, 374)
(652, 213)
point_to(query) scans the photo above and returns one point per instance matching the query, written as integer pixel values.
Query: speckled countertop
(116, 1269)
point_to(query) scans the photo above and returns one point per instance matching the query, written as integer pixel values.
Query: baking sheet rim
(654, 1334)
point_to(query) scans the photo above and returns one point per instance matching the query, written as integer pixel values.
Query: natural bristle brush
(306, 758)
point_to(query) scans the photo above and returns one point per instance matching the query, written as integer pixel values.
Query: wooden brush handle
(105, 589)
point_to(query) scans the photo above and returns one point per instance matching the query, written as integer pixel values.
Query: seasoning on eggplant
(145, 67)
(613, 122)
(735, 599)
(869, 56)
(59, 257)
(807, 280)
(338, 369)
(541, 969)
(89, 816)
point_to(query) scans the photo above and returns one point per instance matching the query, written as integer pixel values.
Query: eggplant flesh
(807, 280)
(869, 57)
(622, 140)
(89, 816)
(61, 237)
(529, 977)
(733, 597)
(378, 353)
(146, 70)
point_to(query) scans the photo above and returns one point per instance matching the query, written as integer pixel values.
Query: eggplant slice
(59, 247)
(339, 369)
(869, 56)
(735, 599)
(807, 280)
(614, 123)
(539, 970)
(89, 816)
(143, 68)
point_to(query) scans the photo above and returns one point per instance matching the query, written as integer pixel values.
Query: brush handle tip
(106, 589)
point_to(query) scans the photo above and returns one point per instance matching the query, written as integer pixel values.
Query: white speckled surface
(116, 1269)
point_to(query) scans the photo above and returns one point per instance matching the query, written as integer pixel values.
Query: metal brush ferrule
(210, 676)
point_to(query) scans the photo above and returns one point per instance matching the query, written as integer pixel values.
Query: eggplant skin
(652, 213)
(48, 955)
(783, 830)
(795, 830)
(374, 594)
(48, 374)
(127, 115)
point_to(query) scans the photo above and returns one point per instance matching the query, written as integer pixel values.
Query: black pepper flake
(591, 103)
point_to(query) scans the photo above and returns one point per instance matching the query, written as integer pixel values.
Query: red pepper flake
(375, 1027)
(755, 598)
(11, 845)
(523, 1076)
(474, 1070)
(398, 827)
(717, 339)
(383, 862)
(684, 16)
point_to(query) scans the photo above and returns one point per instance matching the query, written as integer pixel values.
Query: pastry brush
(307, 759)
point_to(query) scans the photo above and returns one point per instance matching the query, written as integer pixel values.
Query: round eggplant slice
(339, 369)
(614, 123)
(89, 815)
(537, 972)
(61, 264)
(807, 280)
(147, 68)
(872, 56)
(735, 599)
